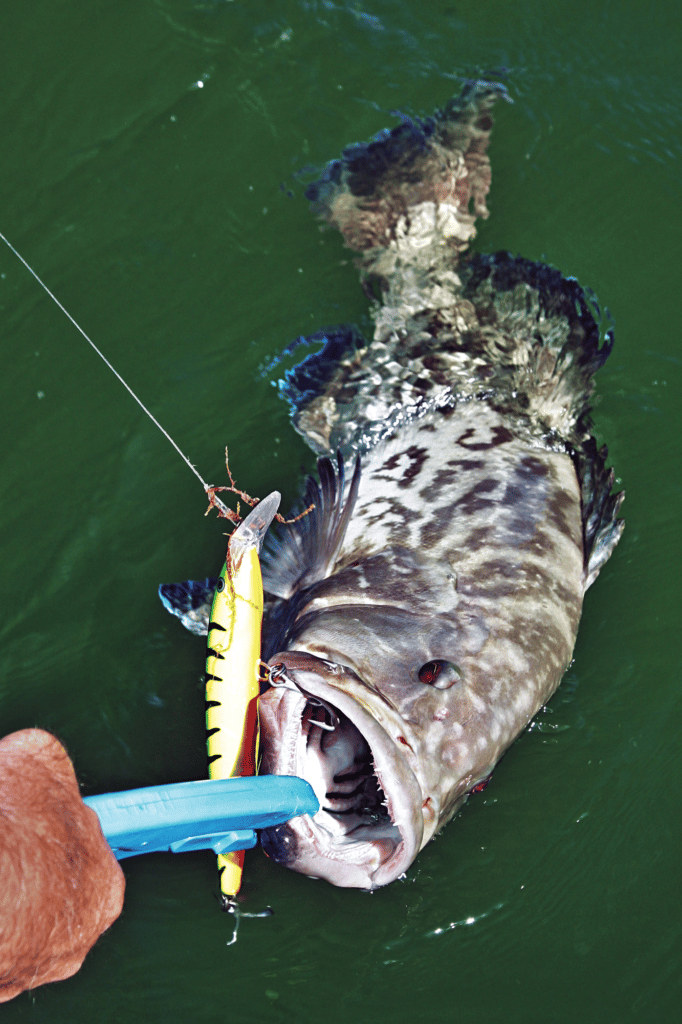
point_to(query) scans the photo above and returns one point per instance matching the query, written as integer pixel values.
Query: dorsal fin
(601, 526)
(301, 553)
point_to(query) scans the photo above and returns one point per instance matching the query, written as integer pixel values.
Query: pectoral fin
(191, 601)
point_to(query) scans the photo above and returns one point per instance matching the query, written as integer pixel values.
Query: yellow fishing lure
(233, 666)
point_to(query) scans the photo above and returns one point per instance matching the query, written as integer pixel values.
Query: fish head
(362, 706)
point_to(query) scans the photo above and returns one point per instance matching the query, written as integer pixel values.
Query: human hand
(60, 884)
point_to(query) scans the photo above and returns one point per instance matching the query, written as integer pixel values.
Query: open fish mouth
(369, 827)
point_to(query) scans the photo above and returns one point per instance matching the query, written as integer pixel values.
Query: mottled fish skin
(428, 607)
(467, 547)
(469, 552)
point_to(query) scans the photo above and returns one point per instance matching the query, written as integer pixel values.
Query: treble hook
(279, 678)
(230, 906)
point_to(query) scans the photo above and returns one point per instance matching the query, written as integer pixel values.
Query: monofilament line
(104, 358)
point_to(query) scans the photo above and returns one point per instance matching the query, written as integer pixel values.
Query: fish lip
(396, 777)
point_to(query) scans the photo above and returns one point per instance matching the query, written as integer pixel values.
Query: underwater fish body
(428, 606)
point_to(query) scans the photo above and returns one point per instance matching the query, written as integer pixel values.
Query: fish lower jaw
(369, 826)
(353, 826)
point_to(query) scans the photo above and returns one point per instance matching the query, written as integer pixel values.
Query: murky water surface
(154, 157)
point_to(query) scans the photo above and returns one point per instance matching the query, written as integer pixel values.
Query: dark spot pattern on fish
(561, 512)
(513, 495)
(572, 604)
(474, 501)
(467, 464)
(475, 540)
(389, 464)
(520, 532)
(533, 466)
(500, 435)
(441, 479)
(417, 457)
(541, 544)
(438, 525)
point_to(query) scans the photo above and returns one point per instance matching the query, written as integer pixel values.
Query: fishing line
(144, 408)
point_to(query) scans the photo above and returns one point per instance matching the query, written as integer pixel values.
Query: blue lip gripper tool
(211, 814)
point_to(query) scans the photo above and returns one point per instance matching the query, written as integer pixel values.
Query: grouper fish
(427, 608)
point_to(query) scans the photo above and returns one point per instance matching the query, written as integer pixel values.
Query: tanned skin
(60, 884)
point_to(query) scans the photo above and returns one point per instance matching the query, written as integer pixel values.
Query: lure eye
(439, 673)
(220, 585)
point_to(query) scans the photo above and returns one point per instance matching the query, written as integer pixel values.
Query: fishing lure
(233, 667)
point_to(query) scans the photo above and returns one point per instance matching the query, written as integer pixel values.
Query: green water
(170, 221)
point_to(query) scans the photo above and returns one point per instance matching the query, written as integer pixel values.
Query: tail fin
(408, 201)
(439, 160)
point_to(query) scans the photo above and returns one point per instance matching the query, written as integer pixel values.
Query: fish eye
(220, 585)
(440, 673)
